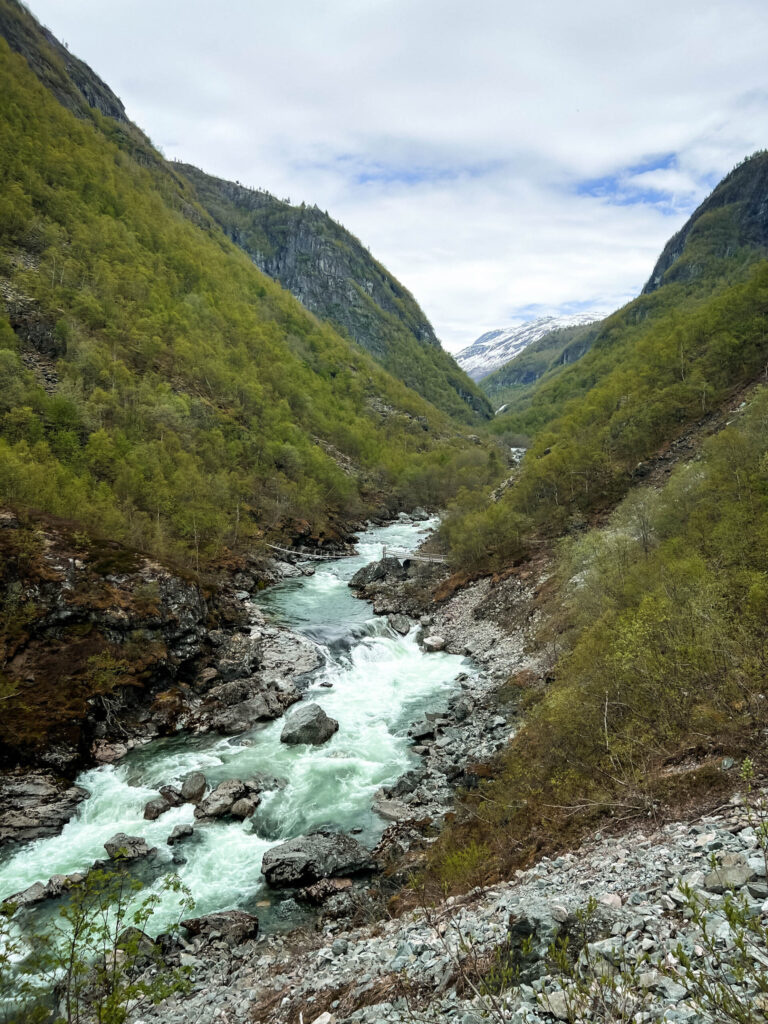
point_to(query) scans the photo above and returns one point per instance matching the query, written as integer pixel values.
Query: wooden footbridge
(308, 554)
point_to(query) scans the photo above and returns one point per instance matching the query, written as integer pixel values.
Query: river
(379, 683)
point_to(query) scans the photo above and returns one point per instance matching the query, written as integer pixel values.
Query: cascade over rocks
(308, 724)
(307, 859)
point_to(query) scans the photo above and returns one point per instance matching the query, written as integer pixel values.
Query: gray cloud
(496, 157)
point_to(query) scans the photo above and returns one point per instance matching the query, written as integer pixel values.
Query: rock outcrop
(234, 926)
(307, 859)
(335, 277)
(34, 805)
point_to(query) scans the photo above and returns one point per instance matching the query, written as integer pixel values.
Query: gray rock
(35, 805)
(172, 795)
(400, 623)
(238, 657)
(193, 787)
(422, 731)
(557, 1004)
(220, 801)
(434, 642)
(154, 808)
(124, 847)
(179, 832)
(234, 926)
(244, 807)
(308, 724)
(56, 886)
(732, 873)
(138, 944)
(386, 568)
(36, 893)
(307, 859)
(391, 810)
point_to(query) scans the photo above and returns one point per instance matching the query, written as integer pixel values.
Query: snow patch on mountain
(495, 348)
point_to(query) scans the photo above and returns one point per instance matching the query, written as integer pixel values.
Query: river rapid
(373, 681)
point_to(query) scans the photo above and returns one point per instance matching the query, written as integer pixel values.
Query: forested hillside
(154, 385)
(334, 276)
(657, 628)
(651, 628)
(662, 362)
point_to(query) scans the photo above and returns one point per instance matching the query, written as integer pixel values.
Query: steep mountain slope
(154, 385)
(494, 349)
(729, 228)
(734, 216)
(336, 278)
(653, 615)
(659, 364)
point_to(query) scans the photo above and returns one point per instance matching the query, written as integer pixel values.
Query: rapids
(380, 682)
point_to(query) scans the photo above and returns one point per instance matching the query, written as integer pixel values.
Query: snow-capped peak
(494, 348)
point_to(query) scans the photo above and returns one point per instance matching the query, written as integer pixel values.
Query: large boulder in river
(308, 724)
(220, 801)
(385, 568)
(193, 787)
(179, 833)
(123, 847)
(320, 854)
(154, 808)
(234, 926)
(232, 798)
(400, 623)
(56, 886)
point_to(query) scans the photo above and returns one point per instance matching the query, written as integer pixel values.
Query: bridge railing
(315, 556)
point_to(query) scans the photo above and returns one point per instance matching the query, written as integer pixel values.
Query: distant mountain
(332, 274)
(495, 348)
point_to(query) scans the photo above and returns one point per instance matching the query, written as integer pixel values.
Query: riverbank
(429, 964)
(370, 778)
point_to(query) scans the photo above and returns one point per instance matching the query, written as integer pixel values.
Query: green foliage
(95, 960)
(193, 392)
(665, 361)
(295, 245)
(660, 629)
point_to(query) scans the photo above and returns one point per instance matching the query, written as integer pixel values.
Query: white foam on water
(380, 682)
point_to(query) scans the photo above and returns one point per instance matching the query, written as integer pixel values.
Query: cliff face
(734, 216)
(335, 277)
(70, 80)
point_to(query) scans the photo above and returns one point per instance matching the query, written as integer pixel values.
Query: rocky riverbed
(239, 679)
(429, 964)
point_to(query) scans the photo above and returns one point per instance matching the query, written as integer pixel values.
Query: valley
(342, 680)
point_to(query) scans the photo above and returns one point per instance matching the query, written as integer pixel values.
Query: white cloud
(503, 110)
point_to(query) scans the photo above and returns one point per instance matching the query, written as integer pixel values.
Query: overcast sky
(502, 159)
